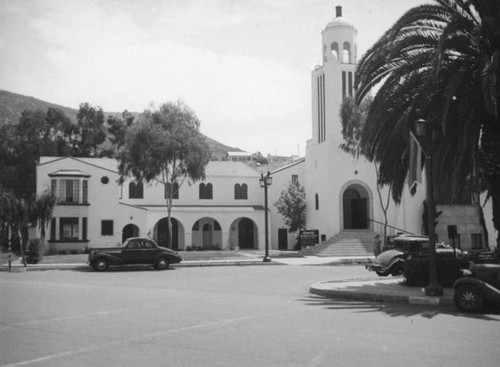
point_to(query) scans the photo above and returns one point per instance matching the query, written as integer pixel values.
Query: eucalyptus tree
(166, 147)
(439, 62)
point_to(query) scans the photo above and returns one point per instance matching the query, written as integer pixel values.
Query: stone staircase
(344, 244)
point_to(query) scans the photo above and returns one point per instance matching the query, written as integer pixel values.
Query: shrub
(74, 252)
(448, 270)
(34, 251)
(62, 252)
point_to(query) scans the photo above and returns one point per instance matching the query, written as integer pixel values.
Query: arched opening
(334, 49)
(355, 207)
(246, 233)
(130, 230)
(346, 53)
(243, 234)
(207, 233)
(161, 233)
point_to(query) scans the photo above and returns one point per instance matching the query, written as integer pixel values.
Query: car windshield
(411, 245)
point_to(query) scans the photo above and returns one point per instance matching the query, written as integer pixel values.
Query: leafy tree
(37, 134)
(62, 131)
(259, 158)
(439, 62)
(91, 130)
(292, 206)
(165, 147)
(117, 128)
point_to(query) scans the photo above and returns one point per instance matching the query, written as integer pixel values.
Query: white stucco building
(341, 191)
(226, 210)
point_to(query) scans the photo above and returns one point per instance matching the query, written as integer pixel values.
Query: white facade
(224, 211)
(341, 191)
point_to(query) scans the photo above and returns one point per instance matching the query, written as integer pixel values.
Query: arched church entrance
(130, 230)
(355, 204)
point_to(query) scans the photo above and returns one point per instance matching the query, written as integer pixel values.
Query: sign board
(308, 237)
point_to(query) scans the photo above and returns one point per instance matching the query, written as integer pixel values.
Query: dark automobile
(134, 250)
(480, 284)
(393, 261)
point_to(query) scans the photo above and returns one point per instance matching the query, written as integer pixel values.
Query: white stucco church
(226, 210)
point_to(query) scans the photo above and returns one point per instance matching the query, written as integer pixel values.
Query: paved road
(225, 316)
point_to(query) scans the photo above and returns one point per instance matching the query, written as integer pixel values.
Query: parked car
(479, 285)
(136, 250)
(393, 261)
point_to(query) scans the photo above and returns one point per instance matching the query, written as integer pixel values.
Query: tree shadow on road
(398, 309)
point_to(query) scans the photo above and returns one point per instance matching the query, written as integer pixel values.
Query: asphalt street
(225, 316)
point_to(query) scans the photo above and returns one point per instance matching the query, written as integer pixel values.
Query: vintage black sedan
(392, 262)
(136, 250)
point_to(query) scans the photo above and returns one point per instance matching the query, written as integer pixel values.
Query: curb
(332, 292)
(41, 267)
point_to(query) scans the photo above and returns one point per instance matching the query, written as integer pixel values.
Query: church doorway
(355, 203)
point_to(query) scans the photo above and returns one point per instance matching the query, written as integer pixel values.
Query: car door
(150, 252)
(133, 252)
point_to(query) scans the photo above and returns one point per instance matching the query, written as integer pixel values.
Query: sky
(243, 66)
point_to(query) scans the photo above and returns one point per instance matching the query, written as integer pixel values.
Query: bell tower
(333, 80)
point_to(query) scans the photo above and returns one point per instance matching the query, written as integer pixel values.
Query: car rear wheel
(468, 298)
(101, 264)
(161, 263)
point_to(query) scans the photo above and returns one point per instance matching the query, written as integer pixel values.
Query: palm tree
(17, 214)
(442, 62)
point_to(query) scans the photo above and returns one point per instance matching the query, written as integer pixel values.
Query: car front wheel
(161, 263)
(468, 298)
(101, 264)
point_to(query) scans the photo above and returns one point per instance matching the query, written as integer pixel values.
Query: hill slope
(12, 105)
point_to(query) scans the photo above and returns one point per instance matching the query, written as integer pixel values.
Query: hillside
(12, 105)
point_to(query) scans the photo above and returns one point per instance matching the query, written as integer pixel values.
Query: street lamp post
(264, 182)
(425, 136)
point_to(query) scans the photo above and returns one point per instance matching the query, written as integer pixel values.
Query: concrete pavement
(387, 290)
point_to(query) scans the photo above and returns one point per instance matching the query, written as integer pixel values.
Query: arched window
(346, 53)
(334, 49)
(136, 190)
(206, 191)
(241, 192)
(174, 193)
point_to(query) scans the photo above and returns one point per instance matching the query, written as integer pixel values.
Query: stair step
(344, 244)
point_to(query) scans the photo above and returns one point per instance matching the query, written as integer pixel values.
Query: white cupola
(340, 39)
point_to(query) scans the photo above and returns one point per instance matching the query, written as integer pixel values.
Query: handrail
(392, 227)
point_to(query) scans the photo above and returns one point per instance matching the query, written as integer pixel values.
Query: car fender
(395, 261)
(112, 260)
(489, 292)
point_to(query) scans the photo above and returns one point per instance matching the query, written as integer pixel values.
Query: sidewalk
(254, 259)
(390, 290)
